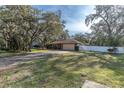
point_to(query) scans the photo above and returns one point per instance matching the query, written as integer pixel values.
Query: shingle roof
(67, 41)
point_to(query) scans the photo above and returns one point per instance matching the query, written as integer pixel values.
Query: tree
(84, 38)
(21, 25)
(55, 29)
(109, 29)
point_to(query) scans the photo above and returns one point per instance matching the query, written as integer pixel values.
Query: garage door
(68, 47)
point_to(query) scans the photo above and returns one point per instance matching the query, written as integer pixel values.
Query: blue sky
(74, 15)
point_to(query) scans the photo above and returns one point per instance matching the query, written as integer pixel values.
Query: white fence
(100, 48)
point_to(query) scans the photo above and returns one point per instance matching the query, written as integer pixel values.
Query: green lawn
(38, 50)
(4, 53)
(10, 53)
(66, 71)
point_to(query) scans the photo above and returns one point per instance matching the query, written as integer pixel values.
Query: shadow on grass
(58, 71)
(45, 73)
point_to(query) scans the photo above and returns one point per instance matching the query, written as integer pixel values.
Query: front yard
(4, 53)
(66, 71)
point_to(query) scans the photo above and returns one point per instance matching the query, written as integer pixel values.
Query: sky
(74, 15)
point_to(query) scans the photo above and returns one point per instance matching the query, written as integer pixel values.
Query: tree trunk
(6, 44)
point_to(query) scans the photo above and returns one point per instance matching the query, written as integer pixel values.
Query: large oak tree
(21, 25)
(109, 30)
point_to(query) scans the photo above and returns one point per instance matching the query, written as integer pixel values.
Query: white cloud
(78, 25)
(88, 10)
(74, 16)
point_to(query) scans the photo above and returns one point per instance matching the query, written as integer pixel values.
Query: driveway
(11, 61)
(59, 52)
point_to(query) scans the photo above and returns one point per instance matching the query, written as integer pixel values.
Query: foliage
(84, 38)
(20, 26)
(55, 29)
(109, 29)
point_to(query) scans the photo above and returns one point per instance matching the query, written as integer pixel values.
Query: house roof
(67, 41)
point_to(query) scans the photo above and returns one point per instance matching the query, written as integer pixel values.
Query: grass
(66, 71)
(4, 53)
(38, 50)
